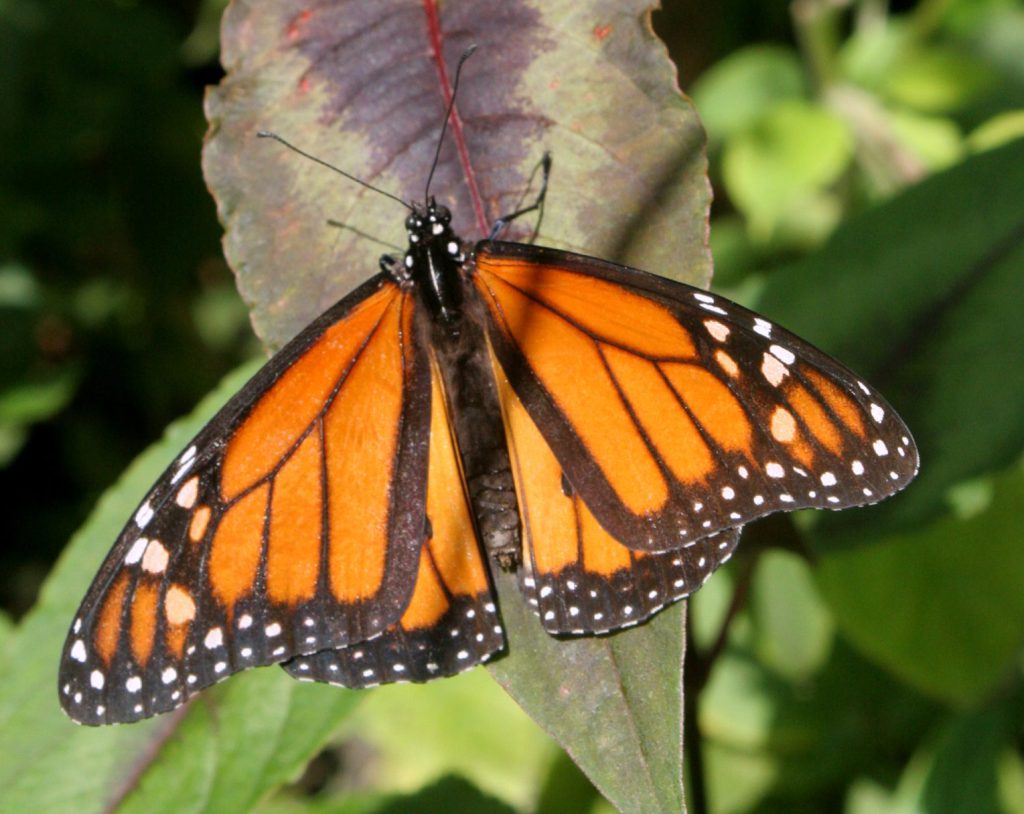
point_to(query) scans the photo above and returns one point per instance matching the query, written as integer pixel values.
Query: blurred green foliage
(881, 677)
(112, 285)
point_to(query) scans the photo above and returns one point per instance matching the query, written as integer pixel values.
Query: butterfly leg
(537, 206)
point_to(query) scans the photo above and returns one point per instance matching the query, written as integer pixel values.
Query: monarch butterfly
(603, 431)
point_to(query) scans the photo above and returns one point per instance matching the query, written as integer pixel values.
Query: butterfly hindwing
(575, 575)
(451, 622)
(280, 530)
(675, 413)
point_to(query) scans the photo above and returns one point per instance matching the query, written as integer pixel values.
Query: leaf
(964, 769)
(364, 87)
(789, 154)
(358, 85)
(465, 726)
(613, 702)
(922, 297)
(940, 606)
(768, 740)
(794, 633)
(223, 753)
(736, 91)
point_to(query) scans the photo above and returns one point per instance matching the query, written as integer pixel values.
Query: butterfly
(603, 432)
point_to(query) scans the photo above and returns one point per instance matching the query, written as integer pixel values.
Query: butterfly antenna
(321, 162)
(447, 118)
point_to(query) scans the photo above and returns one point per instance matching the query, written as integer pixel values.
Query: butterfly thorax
(436, 265)
(434, 260)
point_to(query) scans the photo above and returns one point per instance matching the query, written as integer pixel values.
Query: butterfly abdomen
(452, 321)
(475, 415)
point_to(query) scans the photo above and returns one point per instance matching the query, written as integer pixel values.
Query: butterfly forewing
(673, 413)
(279, 531)
(451, 622)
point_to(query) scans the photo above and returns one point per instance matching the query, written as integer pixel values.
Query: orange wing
(673, 413)
(451, 622)
(281, 530)
(575, 575)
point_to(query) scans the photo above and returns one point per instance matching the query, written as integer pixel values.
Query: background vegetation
(866, 160)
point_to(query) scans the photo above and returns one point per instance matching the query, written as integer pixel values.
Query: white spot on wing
(714, 309)
(763, 327)
(135, 552)
(773, 370)
(718, 330)
(156, 557)
(78, 651)
(214, 638)
(774, 470)
(96, 680)
(187, 494)
(184, 464)
(143, 515)
(784, 355)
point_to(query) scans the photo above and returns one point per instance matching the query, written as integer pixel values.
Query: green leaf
(935, 79)
(735, 92)
(962, 769)
(935, 140)
(997, 131)
(465, 726)
(614, 702)
(793, 627)
(770, 738)
(941, 607)
(223, 753)
(964, 775)
(788, 155)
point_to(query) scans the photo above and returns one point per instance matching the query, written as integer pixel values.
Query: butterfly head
(428, 222)
(428, 229)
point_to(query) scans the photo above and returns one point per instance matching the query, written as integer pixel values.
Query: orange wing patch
(296, 519)
(360, 442)
(279, 530)
(108, 627)
(571, 367)
(450, 623)
(599, 308)
(143, 622)
(288, 408)
(676, 414)
(576, 575)
(451, 564)
(237, 547)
